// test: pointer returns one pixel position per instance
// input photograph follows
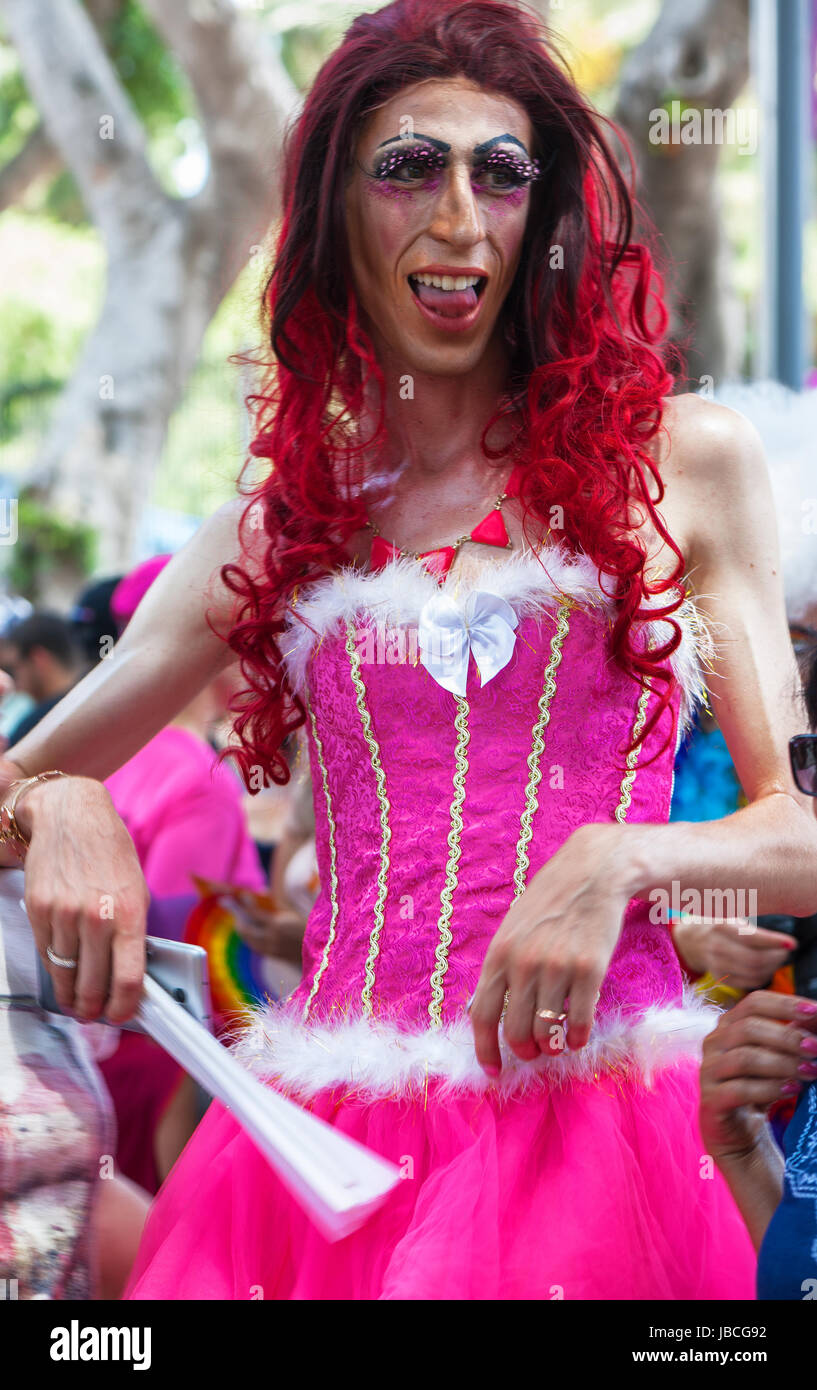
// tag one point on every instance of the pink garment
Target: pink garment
(592, 1194)
(132, 588)
(578, 1173)
(184, 813)
(142, 1079)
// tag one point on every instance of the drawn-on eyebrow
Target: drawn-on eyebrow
(416, 135)
(441, 144)
(498, 140)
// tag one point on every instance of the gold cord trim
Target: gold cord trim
(452, 867)
(385, 829)
(333, 861)
(538, 745)
(628, 780)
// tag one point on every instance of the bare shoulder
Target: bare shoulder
(233, 535)
(709, 443)
(712, 462)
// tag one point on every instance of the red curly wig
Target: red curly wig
(586, 375)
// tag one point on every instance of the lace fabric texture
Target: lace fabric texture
(399, 827)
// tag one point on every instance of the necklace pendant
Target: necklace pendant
(492, 530)
(382, 552)
(439, 562)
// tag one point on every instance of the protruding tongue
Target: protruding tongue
(451, 303)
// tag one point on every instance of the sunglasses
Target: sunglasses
(803, 757)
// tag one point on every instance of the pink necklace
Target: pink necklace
(490, 531)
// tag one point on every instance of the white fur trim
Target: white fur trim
(394, 596)
(377, 1058)
(693, 657)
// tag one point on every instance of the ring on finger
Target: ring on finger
(554, 1038)
(65, 962)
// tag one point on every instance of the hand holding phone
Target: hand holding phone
(180, 968)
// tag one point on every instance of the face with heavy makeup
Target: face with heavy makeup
(436, 206)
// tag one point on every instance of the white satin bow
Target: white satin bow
(448, 632)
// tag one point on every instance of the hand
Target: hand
(85, 895)
(278, 933)
(555, 942)
(736, 953)
(762, 1049)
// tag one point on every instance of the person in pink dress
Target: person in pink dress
(184, 811)
(490, 568)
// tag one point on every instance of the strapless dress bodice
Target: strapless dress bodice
(433, 809)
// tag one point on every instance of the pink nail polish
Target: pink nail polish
(789, 1088)
(490, 1069)
(809, 1045)
(808, 1069)
(807, 1008)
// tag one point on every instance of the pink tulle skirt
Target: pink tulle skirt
(599, 1190)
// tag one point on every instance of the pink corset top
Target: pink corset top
(433, 809)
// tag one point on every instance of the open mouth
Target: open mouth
(450, 296)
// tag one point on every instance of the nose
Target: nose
(457, 218)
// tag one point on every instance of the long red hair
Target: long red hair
(583, 328)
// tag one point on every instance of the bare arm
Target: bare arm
(756, 1182)
(771, 844)
(558, 937)
(165, 657)
(85, 893)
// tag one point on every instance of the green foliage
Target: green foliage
(151, 77)
(18, 114)
(62, 200)
(53, 285)
(156, 87)
(206, 439)
(45, 543)
(303, 51)
(28, 343)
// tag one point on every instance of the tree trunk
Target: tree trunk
(169, 261)
(697, 54)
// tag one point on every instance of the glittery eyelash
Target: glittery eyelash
(415, 154)
(523, 170)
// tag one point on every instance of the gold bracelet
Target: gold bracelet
(10, 832)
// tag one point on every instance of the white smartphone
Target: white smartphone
(179, 967)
